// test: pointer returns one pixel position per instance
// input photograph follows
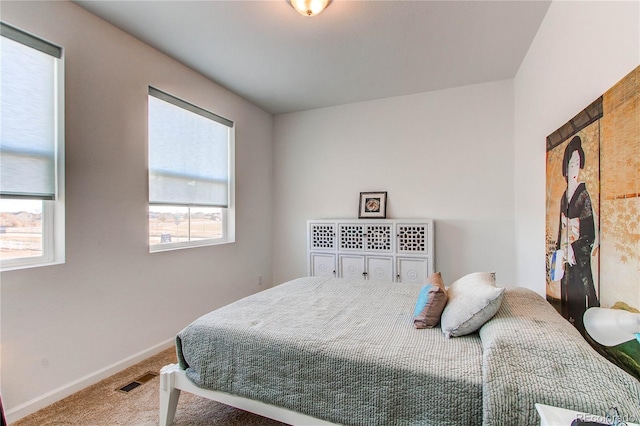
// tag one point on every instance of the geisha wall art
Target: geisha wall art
(593, 213)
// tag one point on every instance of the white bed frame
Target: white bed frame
(173, 380)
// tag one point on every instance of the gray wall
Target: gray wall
(112, 302)
(581, 50)
(445, 155)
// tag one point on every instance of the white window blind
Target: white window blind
(28, 126)
(188, 153)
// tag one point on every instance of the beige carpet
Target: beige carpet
(101, 404)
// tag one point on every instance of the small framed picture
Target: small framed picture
(373, 205)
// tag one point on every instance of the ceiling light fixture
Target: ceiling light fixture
(309, 7)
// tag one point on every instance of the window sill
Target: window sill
(180, 246)
(32, 263)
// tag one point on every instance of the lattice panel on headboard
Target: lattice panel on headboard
(379, 237)
(412, 238)
(351, 237)
(322, 236)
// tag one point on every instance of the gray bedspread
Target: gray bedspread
(347, 352)
(339, 350)
(533, 355)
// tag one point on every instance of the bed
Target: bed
(336, 351)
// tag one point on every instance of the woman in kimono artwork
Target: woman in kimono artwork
(576, 236)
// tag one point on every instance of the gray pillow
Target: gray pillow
(473, 300)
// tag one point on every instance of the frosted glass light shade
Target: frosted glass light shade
(309, 7)
(611, 327)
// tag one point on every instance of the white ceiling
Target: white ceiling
(354, 51)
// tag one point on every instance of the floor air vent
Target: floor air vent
(137, 382)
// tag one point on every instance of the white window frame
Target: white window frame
(53, 211)
(228, 214)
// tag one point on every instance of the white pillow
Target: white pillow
(473, 300)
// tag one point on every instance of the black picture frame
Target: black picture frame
(373, 205)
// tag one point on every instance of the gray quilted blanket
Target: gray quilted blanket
(532, 355)
(347, 352)
(342, 351)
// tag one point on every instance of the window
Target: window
(191, 153)
(31, 151)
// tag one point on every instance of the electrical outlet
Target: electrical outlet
(259, 280)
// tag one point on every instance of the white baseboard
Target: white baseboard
(22, 410)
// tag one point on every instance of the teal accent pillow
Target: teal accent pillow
(431, 302)
(423, 299)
